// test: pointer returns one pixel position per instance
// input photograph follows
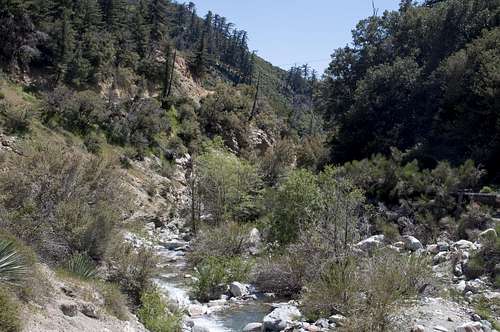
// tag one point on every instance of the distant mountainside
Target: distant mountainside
(82, 43)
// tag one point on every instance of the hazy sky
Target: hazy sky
(286, 32)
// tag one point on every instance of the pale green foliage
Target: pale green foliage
(82, 266)
(227, 186)
(226, 240)
(293, 204)
(132, 269)
(367, 290)
(154, 313)
(12, 264)
(218, 256)
(318, 219)
(115, 302)
(214, 273)
(60, 200)
(327, 201)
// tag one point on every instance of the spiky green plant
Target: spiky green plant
(82, 266)
(12, 264)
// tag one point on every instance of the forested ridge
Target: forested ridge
(157, 174)
(424, 79)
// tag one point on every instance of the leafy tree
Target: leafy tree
(293, 205)
(228, 187)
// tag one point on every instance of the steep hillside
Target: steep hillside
(156, 175)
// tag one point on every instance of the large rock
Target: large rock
(488, 236)
(253, 327)
(338, 320)
(440, 258)
(464, 245)
(418, 328)
(412, 243)
(238, 289)
(278, 319)
(69, 309)
(474, 286)
(254, 241)
(196, 310)
(470, 327)
(372, 243)
(90, 310)
(200, 328)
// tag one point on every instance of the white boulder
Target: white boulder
(279, 318)
(253, 327)
(412, 243)
(238, 289)
(370, 244)
(470, 327)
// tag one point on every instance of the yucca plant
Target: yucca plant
(12, 263)
(81, 265)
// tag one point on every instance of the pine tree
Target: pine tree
(140, 30)
(66, 44)
(167, 71)
(114, 14)
(200, 60)
(157, 21)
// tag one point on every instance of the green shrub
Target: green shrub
(335, 291)
(213, 275)
(9, 313)
(293, 205)
(15, 120)
(228, 186)
(385, 281)
(82, 266)
(224, 241)
(93, 142)
(132, 269)
(476, 217)
(282, 274)
(487, 190)
(2, 95)
(389, 230)
(59, 200)
(155, 315)
(12, 263)
(115, 302)
(277, 161)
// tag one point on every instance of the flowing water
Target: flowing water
(232, 319)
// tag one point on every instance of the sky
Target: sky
(288, 32)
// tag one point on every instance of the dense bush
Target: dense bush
(82, 266)
(226, 113)
(115, 302)
(312, 153)
(60, 200)
(219, 255)
(214, 273)
(293, 205)
(229, 187)
(15, 120)
(224, 241)
(132, 269)
(426, 195)
(367, 290)
(277, 161)
(155, 315)
(281, 274)
(304, 199)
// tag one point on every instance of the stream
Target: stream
(232, 317)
